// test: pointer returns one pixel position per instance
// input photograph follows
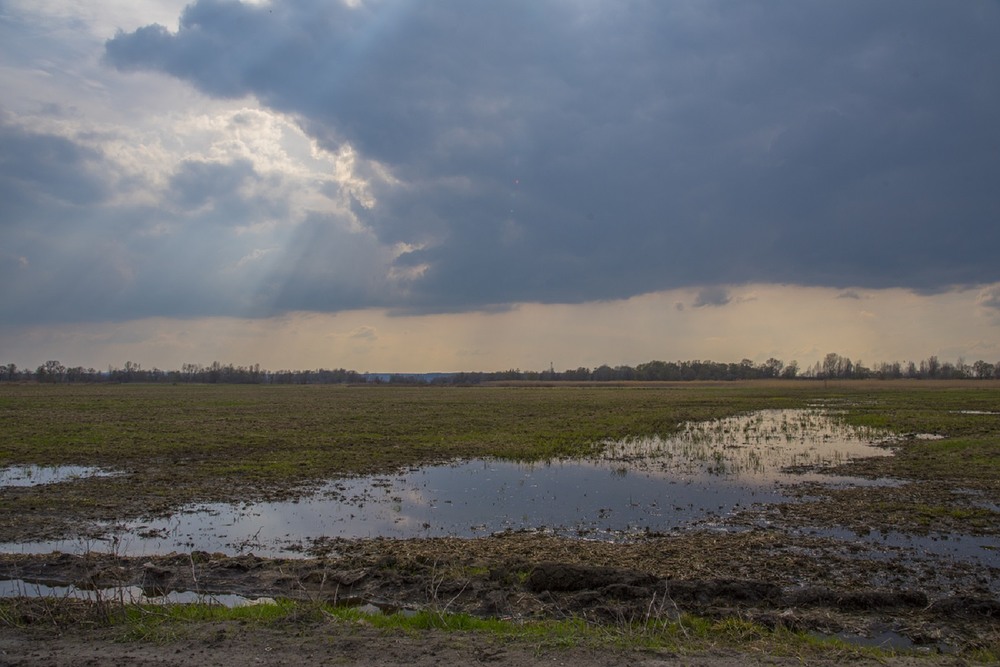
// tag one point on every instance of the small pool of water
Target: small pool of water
(979, 549)
(32, 475)
(636, 486)
(16, 588)
(760, 447)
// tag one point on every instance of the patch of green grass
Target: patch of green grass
(686, 634)
(922, 516)
(160, 623)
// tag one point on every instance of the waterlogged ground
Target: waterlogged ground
(866, 512)
(33, 475)
(707, 473)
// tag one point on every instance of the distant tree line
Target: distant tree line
(214, 373)
(832, 366)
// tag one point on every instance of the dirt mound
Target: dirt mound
(864, 600)
(570, 577)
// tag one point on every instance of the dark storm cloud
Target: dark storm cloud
(576, 151)
(36, 165)
(49, 186)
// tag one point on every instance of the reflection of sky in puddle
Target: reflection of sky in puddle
(466, 499)
(12, 588)
(32, 475)
(760, 446)
(708, 472)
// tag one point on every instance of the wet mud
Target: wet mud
(799, 583)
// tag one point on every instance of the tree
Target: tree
(831, 365)
(772, 368)
(604, 373)
(50, 371)
(983, 370)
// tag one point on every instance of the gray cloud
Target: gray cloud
(562, 152)
(990, 297)
(325, 267)
(71, 252)
(367, 334)
(712, 296)
(34, 165)
(195, 183)
(560, 155)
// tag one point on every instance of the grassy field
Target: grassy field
(226, 442)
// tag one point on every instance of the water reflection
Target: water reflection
(762, 446)
(706, 473)
(17, 588)
(33, 475)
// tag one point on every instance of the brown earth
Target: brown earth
(224, 645)
(762, 576)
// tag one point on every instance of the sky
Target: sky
(411, 186)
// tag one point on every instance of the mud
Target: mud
(330, 643)
(766, 577)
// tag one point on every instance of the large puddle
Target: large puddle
(636, 486)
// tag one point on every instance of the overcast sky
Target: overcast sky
(458, 185)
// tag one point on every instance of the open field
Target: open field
(777, 568)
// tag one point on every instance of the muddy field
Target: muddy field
(911, 567)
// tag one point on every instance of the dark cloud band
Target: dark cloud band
(566, 152)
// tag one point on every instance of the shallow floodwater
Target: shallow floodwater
(709, 471)
(32, 475)
(12, 588)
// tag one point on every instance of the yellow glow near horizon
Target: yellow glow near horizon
(758, 322)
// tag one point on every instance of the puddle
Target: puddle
(20, 588)
(887, 640)
(637, 486)
(763, 447)
(32, 475)
(977, 549)
(375, 607)
(13, 588)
